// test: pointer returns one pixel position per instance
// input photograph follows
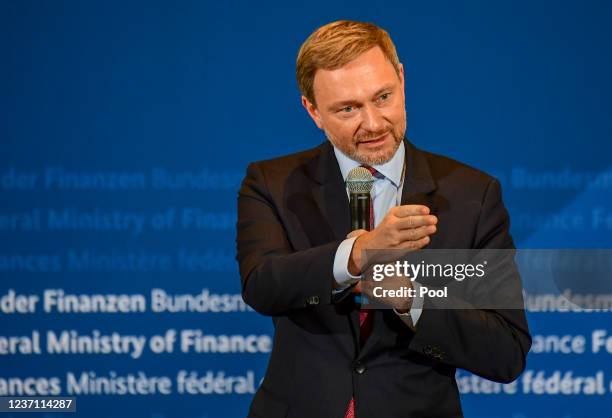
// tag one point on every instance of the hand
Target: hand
(401, 304)
(404, 227)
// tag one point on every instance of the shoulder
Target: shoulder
(450, 173)
(443, 167)
(455, 178)
(294, 171)
(285, 164)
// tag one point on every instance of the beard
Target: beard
(378, 157)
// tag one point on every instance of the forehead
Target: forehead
(357, 80)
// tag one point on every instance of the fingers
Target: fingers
(414, 245)
(411, 216)
(415, 234)
(404, 227)
(415, 221)
(408, 210)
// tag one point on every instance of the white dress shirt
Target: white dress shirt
(386, 193)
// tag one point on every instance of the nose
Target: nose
(373, 120)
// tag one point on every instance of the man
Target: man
(299, 264)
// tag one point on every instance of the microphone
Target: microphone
(359, 183)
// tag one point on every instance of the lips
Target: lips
(375, 141)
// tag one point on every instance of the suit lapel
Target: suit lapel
(329, 192)
(418, 181)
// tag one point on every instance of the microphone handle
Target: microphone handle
(360, 211)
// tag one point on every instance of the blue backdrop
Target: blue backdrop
(125, 131)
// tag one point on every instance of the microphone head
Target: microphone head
(359, 180)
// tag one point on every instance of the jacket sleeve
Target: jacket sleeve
(275, 278)
(491, 343)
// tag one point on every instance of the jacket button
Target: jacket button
(359, 367)
(312, 300)
(437, 353)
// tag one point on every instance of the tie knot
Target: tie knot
(372, 170)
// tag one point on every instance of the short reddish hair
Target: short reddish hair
(336, 44)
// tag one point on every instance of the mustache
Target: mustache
(373, 135)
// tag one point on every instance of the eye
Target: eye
(384, 97)
(347, 109)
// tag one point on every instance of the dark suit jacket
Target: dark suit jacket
(292, 215)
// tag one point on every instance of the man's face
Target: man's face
(361, 107)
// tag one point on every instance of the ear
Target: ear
(401, 77)
(312, 111)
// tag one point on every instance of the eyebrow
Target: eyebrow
(343, 103)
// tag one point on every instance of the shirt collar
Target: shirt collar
(392, 169)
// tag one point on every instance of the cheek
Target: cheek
(344, 129)
(396, 113)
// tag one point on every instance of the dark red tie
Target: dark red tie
(365, 317)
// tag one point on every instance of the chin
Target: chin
(376, 157)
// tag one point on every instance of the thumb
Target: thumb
(356, 233)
